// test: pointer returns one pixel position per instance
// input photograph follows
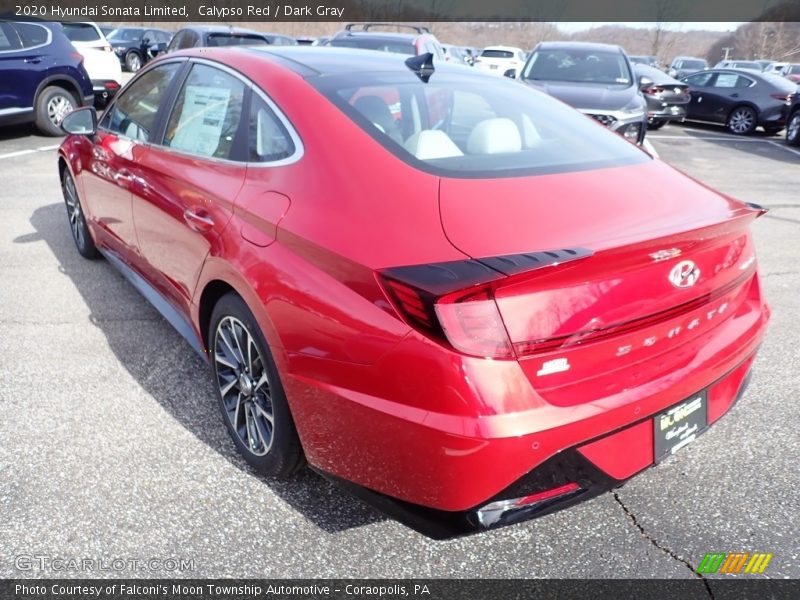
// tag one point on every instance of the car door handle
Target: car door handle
(124, 178)
(734, 95)
(34, 61)
(198, 219)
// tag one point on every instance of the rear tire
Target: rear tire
(77, 221)
(53, 104)
(251, 397)
(793, 129)
(743, 120)
(133, 62)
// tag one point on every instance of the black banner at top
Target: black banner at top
(655, 11)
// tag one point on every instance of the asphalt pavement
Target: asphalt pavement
(111, 446)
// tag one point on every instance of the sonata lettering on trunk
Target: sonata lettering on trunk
(673, 331)
(557, 365)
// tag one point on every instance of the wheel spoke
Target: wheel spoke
(261, 382)
(236, 412)
(227, 343)
(268, 416)
(224, 361)
(264, 435)
(228, 387)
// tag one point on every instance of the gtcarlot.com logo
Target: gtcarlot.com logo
(734, 562)
(43, 562)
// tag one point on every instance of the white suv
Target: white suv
(98, 58)
(499, 60)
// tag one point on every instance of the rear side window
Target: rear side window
(32, 35)
(134, 113)
(731, 80)
(206, 116)
(81, 32)
(268, 138)
(458, 126)
(497, 54)
(699, 80)
(226, 39)
(9, 40)
(398, 47)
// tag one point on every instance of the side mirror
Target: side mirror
(645, 81)
(512, 73)
(82, 121)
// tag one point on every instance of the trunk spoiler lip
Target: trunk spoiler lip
(439, 279)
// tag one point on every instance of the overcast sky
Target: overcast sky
(572, 27)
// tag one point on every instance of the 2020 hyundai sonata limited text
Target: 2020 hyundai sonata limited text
(450, 294)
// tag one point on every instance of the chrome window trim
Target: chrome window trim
(141, 73)
(299, 148)
(24, 48)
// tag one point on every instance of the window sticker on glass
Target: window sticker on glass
(202, 118)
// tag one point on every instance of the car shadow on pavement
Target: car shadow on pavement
(175, 376)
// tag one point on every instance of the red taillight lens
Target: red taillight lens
(787, 98)
(112, 86)
(653, 89)
(467, 320)
(472, 324)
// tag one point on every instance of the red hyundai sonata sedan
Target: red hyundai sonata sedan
(459, 297)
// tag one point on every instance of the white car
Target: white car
(98, 58)
(498, 60)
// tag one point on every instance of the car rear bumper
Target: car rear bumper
(581, 472)
(456, 462)
(105, 88)
(670, 113)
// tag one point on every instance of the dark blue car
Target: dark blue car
(42, 77)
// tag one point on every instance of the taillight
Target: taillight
(453, 302)
(107, 48)
(472, 324)
(653, 90)
(787, 98)
(76, 56)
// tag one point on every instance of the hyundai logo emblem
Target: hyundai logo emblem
(685, 274)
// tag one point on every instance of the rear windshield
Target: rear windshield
(397, 47)
(693, 64)
(578, 66)
(125, 35)
(747, 65)
(227, 39)
(81, 32)
(792, 69)
(497, 54)
(456, 125)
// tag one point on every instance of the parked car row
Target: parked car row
(628, 94)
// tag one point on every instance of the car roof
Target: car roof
(382, 35)
(581, 46)
(510, 48)
(309, 61)
(223, 29)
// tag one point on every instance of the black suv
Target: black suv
(597, 79)
(363, 35)
(42, 77)
(131, 44)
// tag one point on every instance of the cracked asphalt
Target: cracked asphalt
(111, 445)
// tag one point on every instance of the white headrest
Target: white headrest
(494, 136)
(431, 143)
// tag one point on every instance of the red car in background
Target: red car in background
(460, 302)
